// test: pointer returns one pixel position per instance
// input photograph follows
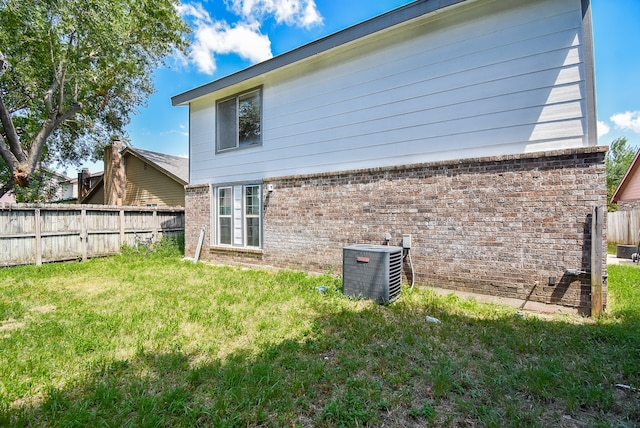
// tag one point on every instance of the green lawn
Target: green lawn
(153, 341)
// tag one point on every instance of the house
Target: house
(627, 194)
(468, 124)
(8, 198)
(69, 187)
(48, 185)
(69, 190)
(59, 189)
(137, 177)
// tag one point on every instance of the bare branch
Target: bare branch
(18, 108)
(10, 133)
(61, 91)
(63, 117)
(48, 95)
(58, 82)
(6, 154)
(50, 124)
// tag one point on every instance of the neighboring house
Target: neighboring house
(468, 124)
(58, 191)
(627, 195)
(52, 187)
(139, 178)
(8, 198)
(69, 188)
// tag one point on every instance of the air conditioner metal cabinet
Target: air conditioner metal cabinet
(372, 272)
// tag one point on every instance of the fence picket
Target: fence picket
(623, 227)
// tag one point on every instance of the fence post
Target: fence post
(121, 226)
(84, 235)
(596, 261)
(38, 233)
(156, 226)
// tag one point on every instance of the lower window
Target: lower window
(239, 215)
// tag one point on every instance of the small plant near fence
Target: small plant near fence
(165, 247)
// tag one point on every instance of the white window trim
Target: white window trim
(215, 221)
(245, 216)
(217, 215)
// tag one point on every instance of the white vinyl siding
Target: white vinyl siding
(482, 79)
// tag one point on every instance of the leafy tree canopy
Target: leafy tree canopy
(617, 162)
(73, 71)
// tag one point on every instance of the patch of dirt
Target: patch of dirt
(43, 309)
(11, 324)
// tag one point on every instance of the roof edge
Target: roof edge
(133, 152)
(92, 190)
(627, 176)
(342, 37)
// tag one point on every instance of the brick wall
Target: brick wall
(197, 216)
(500, 225)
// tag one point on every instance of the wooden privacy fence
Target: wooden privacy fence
(623, 227)
(35, 234)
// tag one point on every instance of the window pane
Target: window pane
(253, 232)
(252, 215)
(226, 124)
(225, 230)
(249, 129)
(225, 222)
(252, 202)
(224, 201)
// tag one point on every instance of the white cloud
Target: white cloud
(242, 38)
(194, 10)
(220, 39)
(311, 15)
(213, 38)
(302, 13)
(183, 131)
(603, 128)
(628, 120)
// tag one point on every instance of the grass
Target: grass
(150, 341)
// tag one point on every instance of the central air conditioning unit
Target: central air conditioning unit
(372, 272)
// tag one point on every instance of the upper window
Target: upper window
(239, 121)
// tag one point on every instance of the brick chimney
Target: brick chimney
(113, 174)
(84, 182)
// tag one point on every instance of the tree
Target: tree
(73, 71)
(43, 187)
(617, 162)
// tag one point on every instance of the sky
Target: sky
(230, 35)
